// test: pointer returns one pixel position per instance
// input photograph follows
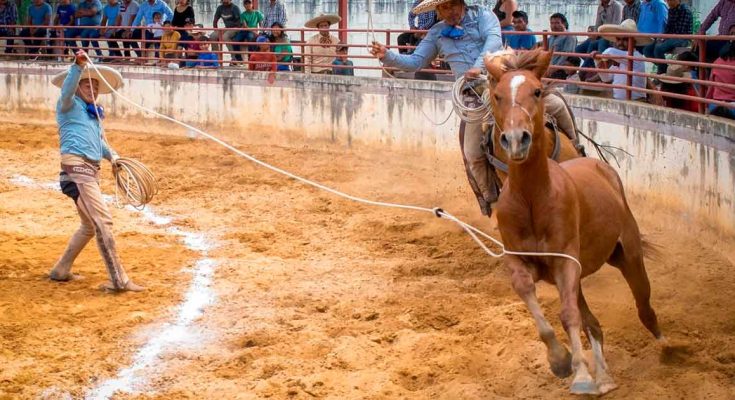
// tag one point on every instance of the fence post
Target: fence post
(629, 80)
(303, 51)
(702, 75)
(545, 39)
(343, 24)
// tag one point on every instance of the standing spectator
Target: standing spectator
(109, 19)
(145, 12)
(504, 10)
(64, 16)
(274, 11)
(608, 12)
(182, 12)
(620, 48)
(230, 15)
(560, 43)
(320, 48)
(8, 16)
(251, 18)
(89, 13)
(153, 36)
(169, 44)
(719, 75)
(631, 10)
(520, 42)
(724, 10)
(22, 7)
(126, 16)
(264, 60)
(205, 59)
(421, 21)
(282, 47)
(39, 13)
(341, 62)
(653, 16)
(679, 23)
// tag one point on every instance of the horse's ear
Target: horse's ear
(494, 67)
(543, 60)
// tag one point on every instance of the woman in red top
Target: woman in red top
(720, 75)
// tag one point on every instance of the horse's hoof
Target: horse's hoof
(606, 387)
(561, 365)
(584, 387)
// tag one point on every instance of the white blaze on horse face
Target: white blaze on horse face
(515, 83)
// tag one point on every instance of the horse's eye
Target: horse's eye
(537, 93)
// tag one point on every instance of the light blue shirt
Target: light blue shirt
(482, 35)
(93, 20)
(653, 16)
(79, 133)
(146, 10)
(111, 13)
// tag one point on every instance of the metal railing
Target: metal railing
(54, 45)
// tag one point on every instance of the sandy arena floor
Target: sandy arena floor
(318, 297)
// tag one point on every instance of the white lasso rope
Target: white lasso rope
(471, 230)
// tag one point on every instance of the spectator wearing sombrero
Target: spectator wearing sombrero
(612, 32)
(321, 48)
(83, 146)
(670, 84)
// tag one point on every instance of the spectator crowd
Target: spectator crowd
(151, 32)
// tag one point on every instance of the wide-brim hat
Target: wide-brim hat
(428, 5)
(676, 71)
(331, 18)
(97, 72)
(608, 31)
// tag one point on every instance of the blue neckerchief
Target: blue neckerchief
(98, 113)
(453, 32)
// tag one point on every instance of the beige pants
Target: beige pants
(476, 159)
(81, 183)
(555, 106)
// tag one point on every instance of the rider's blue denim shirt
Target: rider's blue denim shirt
(482, 35)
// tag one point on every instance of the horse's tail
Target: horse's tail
(651, 250)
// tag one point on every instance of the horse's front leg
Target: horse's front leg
(524, 284)
(567, 276)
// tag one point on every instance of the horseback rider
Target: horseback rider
(463, 36)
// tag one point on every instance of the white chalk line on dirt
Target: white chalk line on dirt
(197, 297)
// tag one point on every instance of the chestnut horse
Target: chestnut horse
(576, 207)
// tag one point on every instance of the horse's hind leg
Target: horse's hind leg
(559, 358)
(593, 330)
(628, 257)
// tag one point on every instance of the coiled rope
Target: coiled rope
(135, 181)
(472, 231)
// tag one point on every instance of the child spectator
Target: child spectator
(342, 61)
(281, 47)
(264, 60)
(169, 43)
(153, 34)
(251, 18)
(205, 59)
(719, 75)
(190, 41)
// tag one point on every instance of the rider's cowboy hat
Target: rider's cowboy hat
(607, 31)
(676, 71)
(331, 18)
(428, 5)
(97, 72)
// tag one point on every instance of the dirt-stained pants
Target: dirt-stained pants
(80, 181)
(475, 156)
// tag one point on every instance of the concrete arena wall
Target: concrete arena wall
(683, 160)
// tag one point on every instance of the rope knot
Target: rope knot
(438, 212)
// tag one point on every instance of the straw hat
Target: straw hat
(677, 71)
(331, 18)
(109, 74)
(627, 26)
(428, 5)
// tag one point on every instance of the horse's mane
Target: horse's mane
(527, 60)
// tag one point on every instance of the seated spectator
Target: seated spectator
(39, 13)
(169, 44)
(126, 16)
(560, 43)
(146, 9)
(416, 22)
(182, 12)
(230, 15)
(669, 85)
(620, 48)
(89, 13)
(190, 41)
(631, 9)
(724, 10)
(205, 59)
(342, 61)
(251, 18)
(8, 17)
(679, 23)
(263, 60)
(609, 12)
(320, 49)
(64, 16)
(109, 19)
(153, 36)
(520, 42)
(282, 47)
(564, 74)
(719, 75)
(652, 18)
